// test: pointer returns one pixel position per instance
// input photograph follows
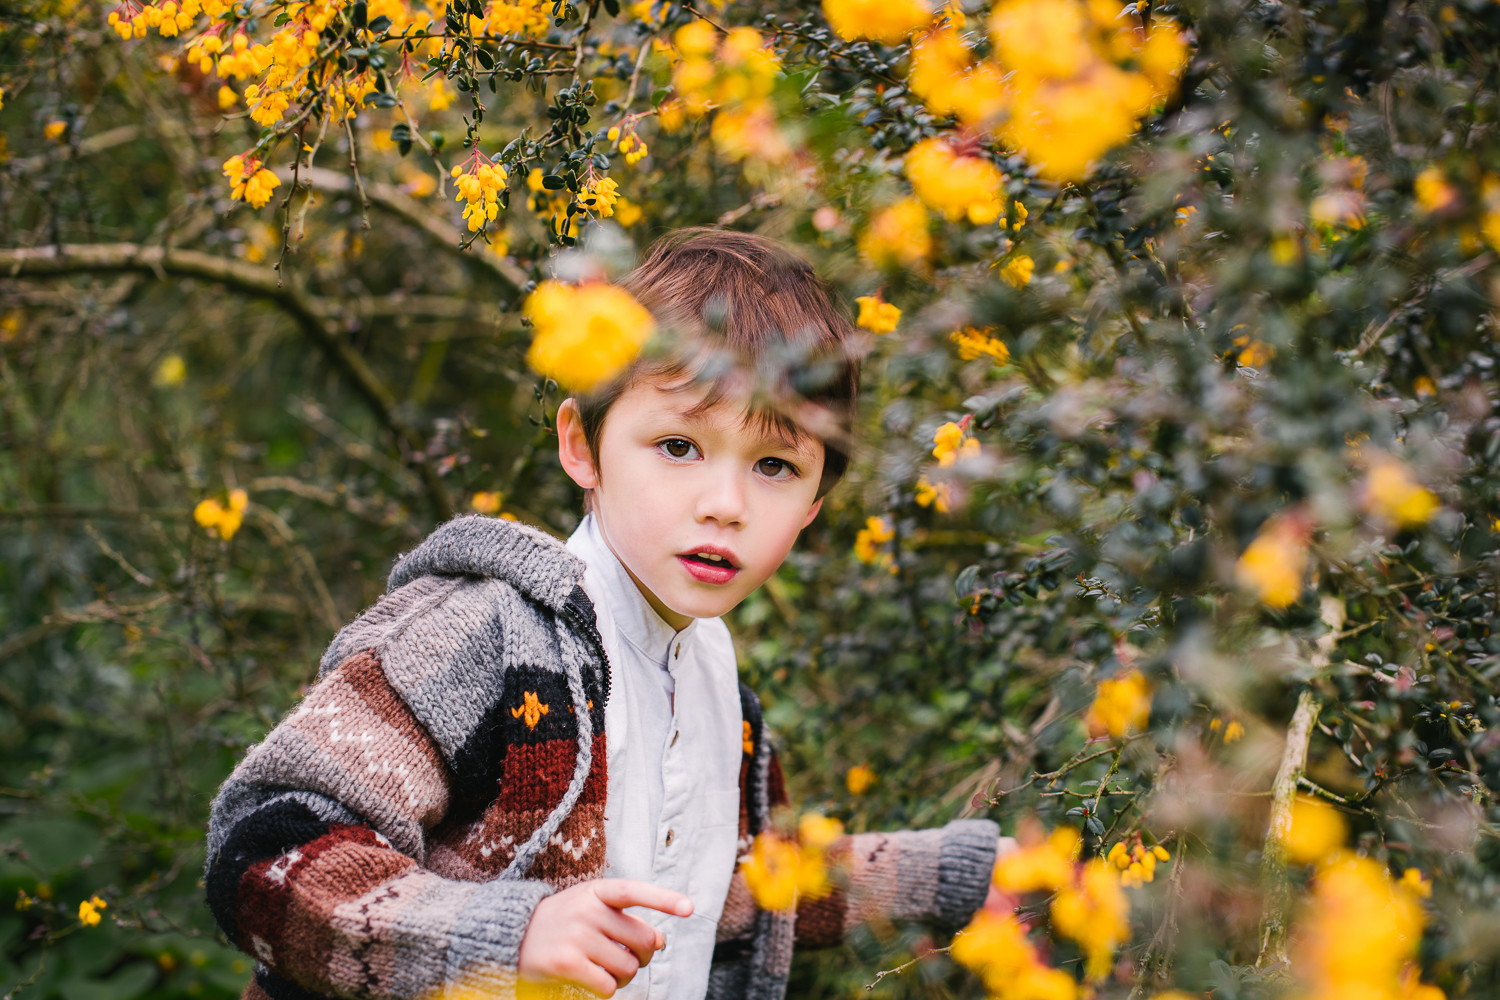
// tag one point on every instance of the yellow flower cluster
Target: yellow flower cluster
(950, 81)
(520, 17)
(954, 183)
(88, 911)
(780, 870)
(994, 947)
(1232, 732)
(54, 131)
(887, 21)
(736, 76)
(1360, 935)
(1137, 864)
(974, 344)
(222, 518)
(951, 444)
(480, 185)
(585, 335)
(1393, 496)
(938, 496)
(249, 181)
(868, 542)
(599, 196)
(1273, 565)
(897, 236)
(1043, 867)
(1316, 834)
(169, 18)
(876, 314)
(1122, 705)
(628, 143)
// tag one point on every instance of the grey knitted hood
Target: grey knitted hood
(532, 561)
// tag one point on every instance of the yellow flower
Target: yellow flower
(1256, 353)
(1423, 387)
(1122, 706)
(779, 871)
(486, 502)
(1233, 731)
(885, 21)
(818, 832)
(222, 519)
(627, 212)
(1317, 831)
(1095, 913)
(946, 76)
(480, 186)
(172, 370)
(1359, 934)
(897, 236)
(859, 779)
(1044, 867)
(1017, 271)
(227, 98)
(439, 97)
(1274, 564)
(877, 315)
(1434, 193)
(249, 181)
(1413, 882)
(876, 532)
(1392, 495)
(995, 947)
(88, 911)
(585, 335)
(939, 496)
(974, 344)
(950, 445)
(54, 130)
(955, 185)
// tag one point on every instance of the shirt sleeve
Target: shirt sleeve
(316, 850)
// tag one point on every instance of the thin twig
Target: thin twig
(902, 968)
(359, 182)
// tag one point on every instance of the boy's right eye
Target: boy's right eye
(678, 447)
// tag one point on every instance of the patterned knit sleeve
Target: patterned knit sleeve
(316, 851)
(939, 876)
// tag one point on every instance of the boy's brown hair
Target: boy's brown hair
(744, 304)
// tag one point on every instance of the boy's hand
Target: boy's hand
(579, 935)
(996, 900)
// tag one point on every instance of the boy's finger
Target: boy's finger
(618, 962)
(623, 892)
(640, 937)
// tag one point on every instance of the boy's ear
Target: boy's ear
(812, 511)
(573, 446)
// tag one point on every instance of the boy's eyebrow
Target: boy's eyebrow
(781, 432)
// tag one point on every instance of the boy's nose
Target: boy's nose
(723, 502)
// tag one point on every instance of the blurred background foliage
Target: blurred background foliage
(1212, 458)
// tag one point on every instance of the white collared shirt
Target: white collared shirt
(672, 813)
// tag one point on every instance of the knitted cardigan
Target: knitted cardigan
(392, 836)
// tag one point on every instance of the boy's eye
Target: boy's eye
(775, 468)
(678, 447)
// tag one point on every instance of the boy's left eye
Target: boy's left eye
(678, 448)
(775, 468)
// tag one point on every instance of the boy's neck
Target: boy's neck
(676, 621)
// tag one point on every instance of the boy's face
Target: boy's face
(700, 508)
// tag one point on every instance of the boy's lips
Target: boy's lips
(710, 564)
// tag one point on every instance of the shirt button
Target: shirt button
(670, 835)
(674, 738)
(679, 650)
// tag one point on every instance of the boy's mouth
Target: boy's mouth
(710, 565)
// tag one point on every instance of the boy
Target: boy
(523, 740)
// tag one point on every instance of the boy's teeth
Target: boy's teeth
(705, 555)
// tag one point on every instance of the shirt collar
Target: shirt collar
(634, 618)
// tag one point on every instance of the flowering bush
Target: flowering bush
(1169, 539)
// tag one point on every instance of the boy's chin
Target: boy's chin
(694, 603)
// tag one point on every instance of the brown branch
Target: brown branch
(309, 312)
(392, 199)
(1278, 889)
(97, 143)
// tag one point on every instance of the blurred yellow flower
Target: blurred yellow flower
(54, 130)
(1047, 866)
(486, 502)
(1275, 563)
(889, 22)
(1317, 831)
(1434, 193)
(1233, 731)
(1122, 706)
(227, 98)
(950, 444)
(222, 519)
(88, 911)
(627, 212)
(779, 870)
(876, 532)
(170, 371)
(1359, 935)
(1136, 864)
(945, 75)
(897, 236)
(859, 779)
(974, 344)
(1256, 353)
(994, 947)
(1413, 882)
(818, 832)
(1017, 271)
(1095, 913)
(585, 335)
(938, 496)
(953, 184)
(877, 315)
(1393, 496)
